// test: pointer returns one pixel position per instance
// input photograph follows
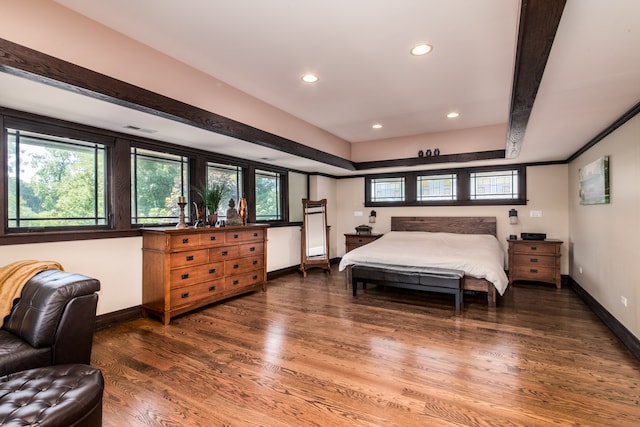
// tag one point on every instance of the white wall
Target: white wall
(547, 191)
(604, 238)
(117, 263)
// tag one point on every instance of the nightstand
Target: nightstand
(356, 240)
(535, 260)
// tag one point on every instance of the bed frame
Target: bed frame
(460, 225)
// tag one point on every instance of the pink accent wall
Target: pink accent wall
(49, 28)
(486, 138)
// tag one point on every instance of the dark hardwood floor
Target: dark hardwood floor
(308, 353)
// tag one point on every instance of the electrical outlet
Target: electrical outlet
(535, 214)
(623, 300)
(358, 213)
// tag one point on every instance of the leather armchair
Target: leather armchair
(52, 323)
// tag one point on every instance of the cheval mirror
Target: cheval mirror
(315, 236)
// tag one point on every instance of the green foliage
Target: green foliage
(267, 198)
(213, 194)
(58, 187)
(158, 186)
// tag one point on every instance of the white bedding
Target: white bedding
(478, 255)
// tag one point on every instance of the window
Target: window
(487, 185)
(387, 189)
(157, 180)
(231, 176)
(55, 181)
(436, 187)
(493, 185)
(268, 196)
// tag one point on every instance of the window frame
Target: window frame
(462, 187)
(57, 131)
(184, 163)
(119, 175)
(283, 196)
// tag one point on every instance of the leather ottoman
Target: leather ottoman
(59, 395)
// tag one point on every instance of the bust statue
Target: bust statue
(233, 218)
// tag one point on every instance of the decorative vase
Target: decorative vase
(212, 219)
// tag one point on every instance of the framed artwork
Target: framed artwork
(594, 182)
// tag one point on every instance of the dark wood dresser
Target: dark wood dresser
(184, 269)
(353, 240)
(535, 260)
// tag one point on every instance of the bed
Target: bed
(401, 258)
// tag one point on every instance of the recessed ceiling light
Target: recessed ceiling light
(377, 126)
(453, 115)
(421, 49)
(310, 78)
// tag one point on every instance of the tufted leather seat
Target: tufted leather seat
(52, 322)
(61, 395)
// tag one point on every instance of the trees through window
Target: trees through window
(158, 179)
(55, 181)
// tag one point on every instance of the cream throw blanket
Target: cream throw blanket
(14, 276)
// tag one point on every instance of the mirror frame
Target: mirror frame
(317, 261)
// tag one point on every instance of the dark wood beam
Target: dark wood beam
(417, 161)
(539, 20)
(28, 63)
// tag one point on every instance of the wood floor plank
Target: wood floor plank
(307, 352)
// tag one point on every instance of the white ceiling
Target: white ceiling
(360, 50)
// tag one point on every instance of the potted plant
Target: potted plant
(212, 196)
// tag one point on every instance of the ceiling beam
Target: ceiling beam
(539, 20)
(25, 62)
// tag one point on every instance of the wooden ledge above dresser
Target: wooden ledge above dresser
(185, 269)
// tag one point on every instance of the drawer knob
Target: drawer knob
(534, 270)
(235, 282)
(212, 288)
(185, 241)
(534, 248)
(212, 238)
(255, 276)
(235, 266)
(255, 261)
(190, 258)
(224, 253)
(235, 236)
(212, 270)
(185, 276)
(534, 260)
(184, 295)
(252, 249)
(255, 234)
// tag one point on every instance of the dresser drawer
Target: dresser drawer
(541, 274)
(224, 252)
(213, 238)
(244, 280)
(238, 236)
(184, 241)
(189, 258)
(353, 241)
(241, 265)
(535, 248)
(250, 249)
(534, 260)
(191, 294)
(189, 275)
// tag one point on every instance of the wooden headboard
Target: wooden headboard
(446, 224)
